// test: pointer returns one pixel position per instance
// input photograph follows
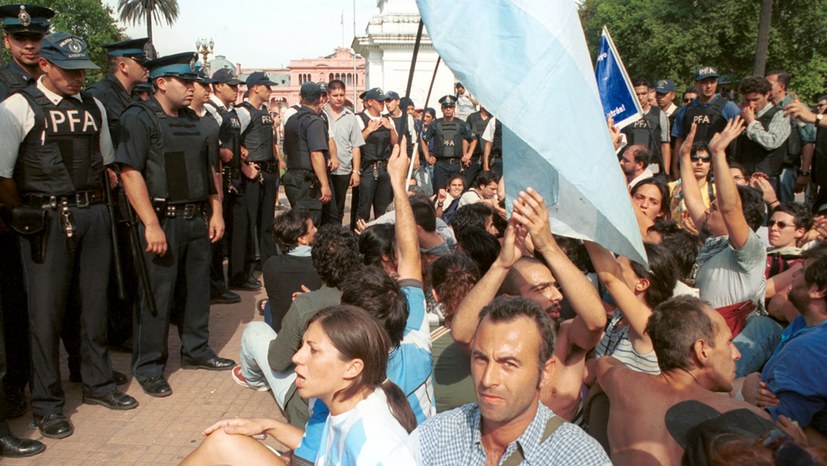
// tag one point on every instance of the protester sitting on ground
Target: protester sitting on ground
(730, 266)
(635, 290)
(288, 272)
(792, 382)
(511, 362)
(480, 246)
(530, 278)
(432, 245)
(447, 198)
(701, 169)
(684, 248)
(473, 215)
(342, 362)
(484, 189)
(452, 277)
(696, 357)
(787, 225)
(377, 246)
(266, 356)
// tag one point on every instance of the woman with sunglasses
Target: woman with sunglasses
(701, 169)
(342, 362)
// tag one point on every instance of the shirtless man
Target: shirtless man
(697, 359)
(516, 275)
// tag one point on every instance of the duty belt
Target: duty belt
(187, 210)
(450, 160)
(268, 167)
(80, 199)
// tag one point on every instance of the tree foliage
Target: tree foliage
(670, 38)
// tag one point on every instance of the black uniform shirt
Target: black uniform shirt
(12, 78)
(114, 97)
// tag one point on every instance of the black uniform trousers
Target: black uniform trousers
(4, 426)
(303, 192)
(188, 258)
(233, 244)
(16, 319)
(443, 169)
(374, 191)
(261, 209)
(81, 261)
(495, 164)
(471, 171)
(339, 184)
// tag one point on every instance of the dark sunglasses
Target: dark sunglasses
(686, 101)
(698, 158)
(781, 225)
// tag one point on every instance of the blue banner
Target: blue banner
(531, 69)
(616, 92)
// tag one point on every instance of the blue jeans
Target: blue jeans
(756, 342)
(255, 367)
(786, 193)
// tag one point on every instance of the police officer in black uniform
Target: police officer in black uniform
(23, 28)
(492, 153)
(306, 183)
(237, 232)
(57, 168)
(710, 111)
(169, 180)
(452, 140)
(262, 190)
(380, 136)
(477, 122)
(652, 129)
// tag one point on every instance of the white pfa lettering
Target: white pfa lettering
(73, 118)
(57, 119)
(700, 119)
(88, 122)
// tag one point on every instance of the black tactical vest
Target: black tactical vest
(12, 79)
(61, 153)
(646, 131)
(819, 170)
(448, 140)
(115, 99)
(258, 137)
(377, 145)
(794, 145)
(497, 143)
(708, 119)
(754, 157)
(401, 125)
(295, 140)
(230, 132)
(177, 168)
(477, 126)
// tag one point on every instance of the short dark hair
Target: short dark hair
(486, 177)
(376, 292)
(752, 203)
(509, 308)
(424, 214)
(513, 279)
(335, 254)
(430, 111)
(335, 84)
(641, 82)
(674, 327)
(479, 245)
(782, 76)
(452, 277)
(802, 215)
(691, 90)
(752, 84)
(816, 273)
(642, 154)
(376, 242)
(289, 227)
(454, 177)
(661, 274)
(684, 247)
(471, 216)
(740, 168)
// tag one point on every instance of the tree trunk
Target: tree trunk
(762, 47)
(150, 7)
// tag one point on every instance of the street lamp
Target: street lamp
(204, 48)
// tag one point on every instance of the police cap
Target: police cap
(664, 86)
(19, 17)
(225, 76)
(323, 87)
(310, 90)
(66, 51)
(448, 101)
(391, 95)
(374, 94)
(706, 72)
(258, 79)
(201, 77)
(143, 87)
(133, 49)
(179, 65)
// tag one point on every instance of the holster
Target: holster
(32, 224)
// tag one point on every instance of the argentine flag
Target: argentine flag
(527, 62)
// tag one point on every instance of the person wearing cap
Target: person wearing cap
(347, 137)
(261, 190)
(170, 181)
(665, 96)
(237, 233)
(466, 104)
(24, 26)
(380, 136)
(306, 183)
(710, 111)
(62, 184)
(142, 91)
(451, 139)
(652, 129)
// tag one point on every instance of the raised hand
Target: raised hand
(733, 129)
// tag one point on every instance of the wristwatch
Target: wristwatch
(819, 117)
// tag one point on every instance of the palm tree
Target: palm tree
(134, 11)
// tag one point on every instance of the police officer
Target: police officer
(260, 191)
(170, 182)
(54, 143)
(380, 136)
(237, 232)
(710, 111)
(492, 154)
(652, 130)
(23, 28)
(477, 122)
(306, 182)
(452, 140)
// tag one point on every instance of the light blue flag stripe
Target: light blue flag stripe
(527, 62)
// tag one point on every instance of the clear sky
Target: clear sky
(260, 33)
